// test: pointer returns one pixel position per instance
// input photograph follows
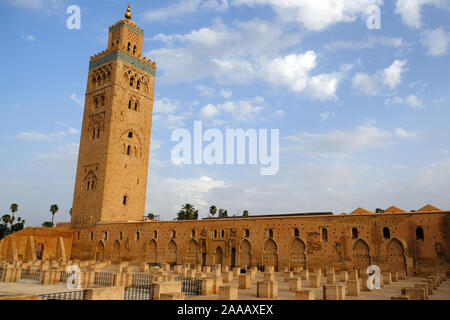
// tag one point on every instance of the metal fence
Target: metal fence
(103, 278)
(141, 279)
(143, 292)
(190, 287)
(68, 295)
(30, 274)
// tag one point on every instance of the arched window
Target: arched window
(92, 184)
(88, 184)
(215, 233)
(386, 233)
(128, 150)
(93, 134)
(155, 234)
(174, 234)
(105, 235)
(419, 234)
(247, 233)
(138, 84)
(134, 49)
(78, 235)
(129, 46)
(138, 235)
(270, 233)
(296, 232)
(324, 234)
(131, 81)
(135, 106)
(92, 235)
(354, 233)
(193, 233)
(103, 100)
(223, 234)
(124, 200)
(130, 134)
(98, 133)
(96, 103)
(120, 235)
(129, 104)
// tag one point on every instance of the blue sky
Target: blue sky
(363, 114)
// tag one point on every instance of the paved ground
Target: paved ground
(385, 293)
(442, 292)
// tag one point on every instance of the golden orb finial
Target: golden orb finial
(128, 13)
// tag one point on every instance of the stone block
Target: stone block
(104, 293)
(424, 286)
(295, 284)
(207, 286)
(314, 280)
(353, 288)
(353, 275)
(331, 277)
(165, 287)
(228, 292)
(227, 277)
(394, 276)
(244, 281)
(429, 283)
(330, 292)
(267, 289)
(304, 274)
(288, 275)
(305, 295)
(343, 276)
(387, 278)
(269, 276)
(172, 296)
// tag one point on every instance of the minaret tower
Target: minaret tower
(113, 158)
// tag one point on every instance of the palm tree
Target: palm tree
(14, 207)
(245, 214)
(187, 212)
(53, 209)
(212, 210)
(6, 219)
(48, 224)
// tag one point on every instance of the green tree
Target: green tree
(6, 218)
(245, 214)
(379, 210)
(187, 212)
(54, 209)
(150, 216)
(48, 224)
(212, 210)
(14, 208)
(223, 213)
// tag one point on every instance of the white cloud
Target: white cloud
(436, 41)
(243, 110)
(76, 99)
(390, 77)
(166, 106)
(278, 113)
(315, 15)
(205, 90)
(73, 131)
(370, 42)
(410, 10)
(32, 136)
(294, 72)
(28, 37)
(344, 142)
(327, 114)
(185, 7)
(226, 93)
(227, 53)
(411, 100)
(64, 158)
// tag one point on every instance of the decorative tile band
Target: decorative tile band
(111, 29)
(125, 58)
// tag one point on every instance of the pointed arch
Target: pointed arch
(395, 255)
(270, 254)
(298, 256)
(152, 252)
(171, 252)
(100, 252)
(115, 256)
(361, 255)
(245, 253)
(192, 252)
(219, 255)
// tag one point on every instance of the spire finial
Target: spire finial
(128, 13)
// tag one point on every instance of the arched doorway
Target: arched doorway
(151, 252)
(171, 253)
(233, 257)
(361, 257)
(100, 253)
(115, 257)
(245, 256)
(395, 256)
(192, 252)
(270, 255)
(39, 251)
(298, 256)
(219, 255)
